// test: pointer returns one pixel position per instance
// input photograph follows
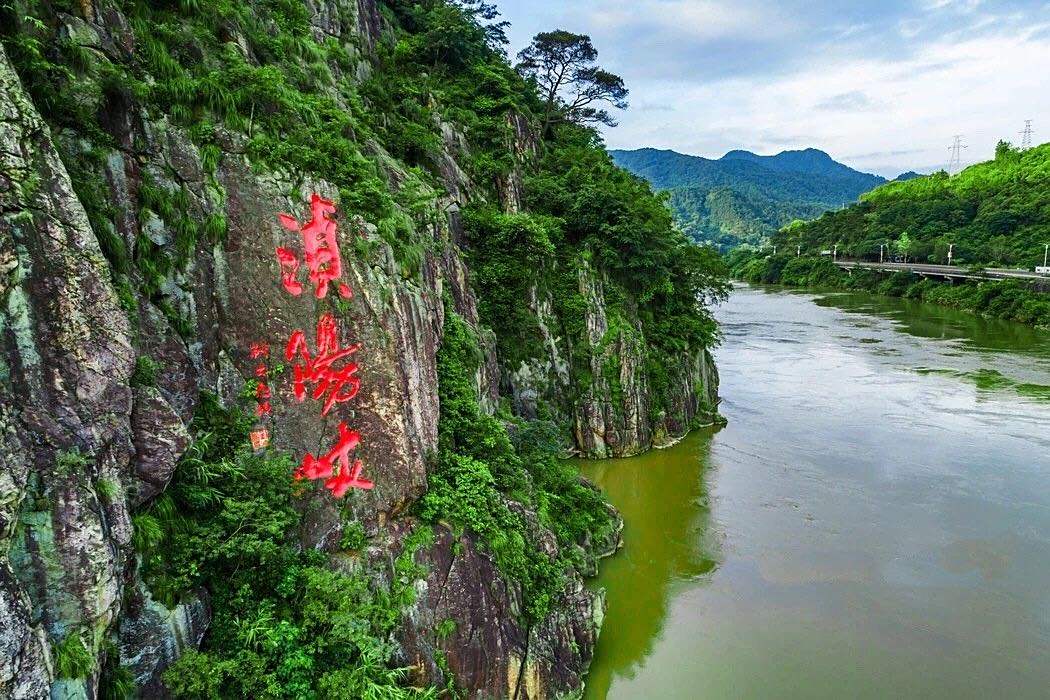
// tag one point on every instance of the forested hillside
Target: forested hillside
(993, 214)
(516, 295)
(743, 198)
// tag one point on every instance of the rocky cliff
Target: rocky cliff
(614, 415)
(137, 267)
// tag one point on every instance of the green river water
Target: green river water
(873, 522)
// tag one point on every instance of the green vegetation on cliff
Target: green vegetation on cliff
(432, 114)
(480, 471)
(589, 214)
(298, 103)
(284, 623)
(581, 212)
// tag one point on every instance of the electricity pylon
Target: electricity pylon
(1026, 135)
(955, 159)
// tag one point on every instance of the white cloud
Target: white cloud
(697, 20)
(852, 101)
(983, 88)
(910, 27)
(892, 80)
(958, 5)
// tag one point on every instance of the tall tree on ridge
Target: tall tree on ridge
(563, 66)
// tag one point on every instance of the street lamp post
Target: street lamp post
(798, 252)
(950, 247)
(882, 247)
(1046, 251)
(835, 254)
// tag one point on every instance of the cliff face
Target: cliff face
(67, 361)
(614, 417)
(613, 414)
(84, 442)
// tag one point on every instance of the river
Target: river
(873, 522)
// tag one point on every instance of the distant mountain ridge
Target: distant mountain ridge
(810, 160)
(742, 197)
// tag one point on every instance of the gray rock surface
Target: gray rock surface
(66, 406)
(159, 437)
(152, 637)
(469, 615)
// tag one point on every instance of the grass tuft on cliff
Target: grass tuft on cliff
(72, 659)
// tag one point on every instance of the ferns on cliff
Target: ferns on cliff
(508, 254)
(283, 623)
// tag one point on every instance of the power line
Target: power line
(1026, 135)
(955, 159)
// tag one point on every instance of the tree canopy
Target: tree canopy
(573, 87)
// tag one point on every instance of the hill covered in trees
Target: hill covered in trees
(993, 214)
(743, 198)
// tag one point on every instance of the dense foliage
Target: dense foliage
(284, 624)
(588, 215)
(582, 212)
(743, 198)
(995, 213)
(480, 470)
(1007, 299)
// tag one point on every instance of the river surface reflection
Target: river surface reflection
(874, 520)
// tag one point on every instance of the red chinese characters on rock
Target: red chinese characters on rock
(326, 373)
(320, 248)
(333, 384)
(322, 467)
(261, 351)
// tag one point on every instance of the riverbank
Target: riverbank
(1005, 299)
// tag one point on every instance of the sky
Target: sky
(881, 85)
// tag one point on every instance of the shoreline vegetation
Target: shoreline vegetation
(992, 214)
(1010, 300)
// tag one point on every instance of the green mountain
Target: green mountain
(743, 198)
